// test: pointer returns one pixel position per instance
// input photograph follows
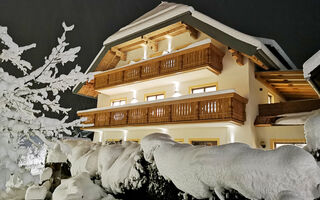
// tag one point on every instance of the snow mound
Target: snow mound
(35, 192)
(118, 167)
(78, 187)
(312, 132)
(254, 173)
(46, 174)
(55, 155)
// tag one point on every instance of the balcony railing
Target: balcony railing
(211, 107)
(205, 55)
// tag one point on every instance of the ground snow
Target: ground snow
(46, 174)
(255, 173)
(311, 131)
(55, 155)
(78, 187)
(118, 167)
(116, 164)
(36, 192)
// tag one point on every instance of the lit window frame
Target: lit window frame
(270, 98)
(118, 100)
(203, 86)
(274, 142)
(147, 96)
(205, 140)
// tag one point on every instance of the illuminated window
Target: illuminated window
(204, 89)
(276, 143)
(155, 97)
(279, 144)
(118, 102)
(270, 98)
(205, 141)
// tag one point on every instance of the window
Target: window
(270, 98)
(205, 141)
(208, 88)
(279, 144)
(119, 102)
(276, 143)
(154, 97)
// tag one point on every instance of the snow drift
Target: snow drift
(276, 174)
(78, 187)
(116, 164)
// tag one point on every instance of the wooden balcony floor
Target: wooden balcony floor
(221, 106)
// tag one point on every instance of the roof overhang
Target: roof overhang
(246, 44)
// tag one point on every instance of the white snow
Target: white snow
(312, 131)
(46, 174)
(312, 63)
(36, 192)
(256, 174)
(293, 118)
(55, 155)
(116, 164)
(78, 187)
(161, 13)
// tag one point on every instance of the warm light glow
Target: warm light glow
(125, 134)
(164, 130)
(134, 96)
(169, 43)
(145, 51)
(231, 131)
(176, 89)
(100, 136)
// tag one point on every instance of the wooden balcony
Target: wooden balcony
(205, 55)
(211, 107)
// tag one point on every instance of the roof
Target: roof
(168, 13)
(312, 63)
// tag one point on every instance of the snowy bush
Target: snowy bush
(312, 134)
(22, 122)
(256, 174)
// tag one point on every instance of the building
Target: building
(176, 70)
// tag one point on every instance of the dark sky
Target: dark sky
(294, 24)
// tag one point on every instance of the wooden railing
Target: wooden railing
(205, 55)
(212, 108)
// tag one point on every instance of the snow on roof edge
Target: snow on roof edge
(166, 14)
(310, 64)
(237, 34)
(275, 44)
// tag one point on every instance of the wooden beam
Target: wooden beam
(120, 54)
(282, 77)
(256, 61)
(270, 87)
(288, 107)
(237, 56)
(193, 32)
(150, 43)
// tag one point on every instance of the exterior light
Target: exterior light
(169, 43)
(134, 96)
(145, 51)
(176, 89)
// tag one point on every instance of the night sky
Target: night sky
(294, 24)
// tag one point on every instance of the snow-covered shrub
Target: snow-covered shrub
(312, 134)
(254, 173)
(78, 187)
(25, 101)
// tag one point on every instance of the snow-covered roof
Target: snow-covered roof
(312, 63)
(161, 13)
(168, 13)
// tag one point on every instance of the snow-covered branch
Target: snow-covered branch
(25, 101)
